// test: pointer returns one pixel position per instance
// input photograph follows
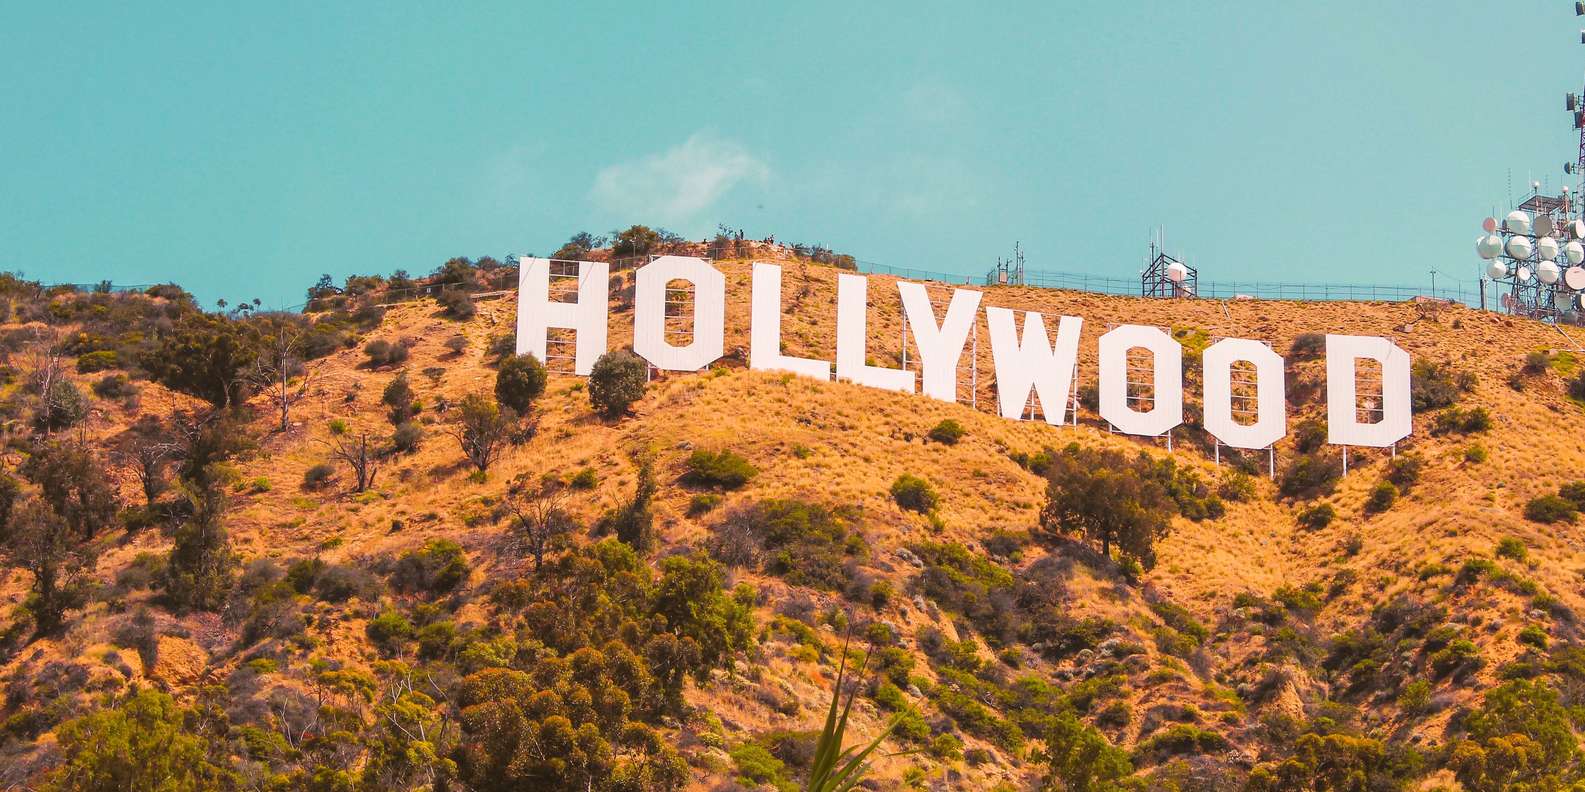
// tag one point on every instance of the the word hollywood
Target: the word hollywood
(1025, 360)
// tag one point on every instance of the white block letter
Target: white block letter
(1343, 426)
(649, 313)
(1167, 382)
(1271, 417)
(852, 307)
(587, 316)
(1031, 362)
(940, 347)
(764, 352)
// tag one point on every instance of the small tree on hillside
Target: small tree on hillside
(148, 459)
(200, 569)
(205, 441)
(207, 356)
(398, 396)
(482, 429)
(616, 381)
(279, 371)
(44, 543)
(634, 522)
(520, 380)
(1108, 499)
(359, 455)
(72, 481)
(539, 515)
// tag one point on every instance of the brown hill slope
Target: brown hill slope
(1392, 603)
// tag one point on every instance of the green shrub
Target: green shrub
(338, 426)
(382, 353)
(1533, 635)
(406, 437)
(1181, 739)
(1382, 497)
(723, 469)
(1512, 547)
(457, 304)
(948, 432)
(115, 386)
(140, 743)
(806, 543)
(1459, 655)
(519, 381)
(1455, 420)
(1434, 385)
(398, 396)
(318, 475)
(97, 361)
(1550, 509)
(1307, 346)
(703, 503)
(62, 406)
(1317, 517)
(617, 380)
(1080, 757)
(1416, 697)
(436, 568)
(1237, 486)
(1309, 436)
(1520, 732)
(1404, 471)
(965, 582)
(1309, 476)
(756, 766)
(1475, 454)
(914, 494)
(584, 479)
(389, 629)
(1573, 492)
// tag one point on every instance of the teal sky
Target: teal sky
(241, 151)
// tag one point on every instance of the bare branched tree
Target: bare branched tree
(280, 371)
(539, 514)
(359, 455)
(147, 454)
(148, 464)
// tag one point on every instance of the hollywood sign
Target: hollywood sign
(1026, 360)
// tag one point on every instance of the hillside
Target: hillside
(351, 649)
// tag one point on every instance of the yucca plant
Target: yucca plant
(836, 769)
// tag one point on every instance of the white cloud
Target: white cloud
(676, 186)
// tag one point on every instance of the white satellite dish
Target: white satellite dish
(1548, 272)
(1517, 222)
(1489, 246)
(1523, 273)
(1547, 247)
(1562, 300)
(1519, 247)
(1574, 278)
(1489, 225)
(1579, 228)
(1574, 252)
(1177, 273)
(1496, 270)
(1543, 225)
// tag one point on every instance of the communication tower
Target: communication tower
(1168, 277)
(1535, 254)
(1011, 271)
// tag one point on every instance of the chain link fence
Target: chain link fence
(1216, 290)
